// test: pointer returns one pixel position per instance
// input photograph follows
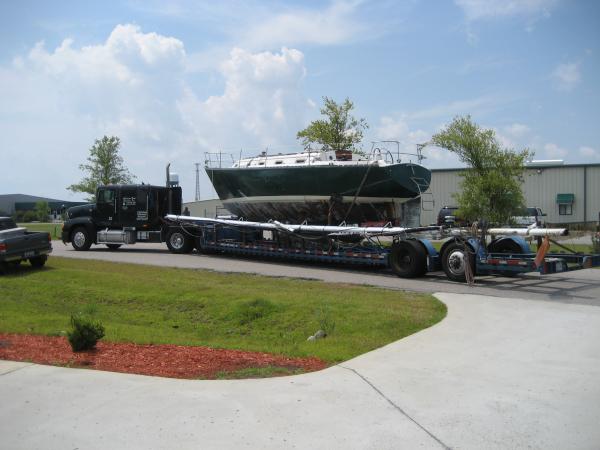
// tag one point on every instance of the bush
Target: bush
(85, 333)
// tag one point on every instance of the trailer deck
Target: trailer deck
(410, 253)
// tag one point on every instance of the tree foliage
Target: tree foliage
(491, 188)
(104, 166)
(42, 210)
(339, 130)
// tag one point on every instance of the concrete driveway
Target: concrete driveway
(497, 373)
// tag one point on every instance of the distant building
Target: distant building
(567, 193)
(11, 203)
(206, 208)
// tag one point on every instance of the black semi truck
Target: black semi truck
(126, 214)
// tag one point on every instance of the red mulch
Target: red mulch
(165, 360)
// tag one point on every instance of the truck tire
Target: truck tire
(178, 241)
(80, 239)
(408, 259)
(113, 246)
(38, 261)
(453, 261)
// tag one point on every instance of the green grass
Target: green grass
(54, 229)
(145, 304)
(257, 372)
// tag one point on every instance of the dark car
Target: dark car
(447, 216)
(17, 244)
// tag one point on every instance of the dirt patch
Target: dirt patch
(173, 361)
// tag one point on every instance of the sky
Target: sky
(176, 79)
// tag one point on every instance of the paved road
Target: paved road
(497, 373)
(580, 287)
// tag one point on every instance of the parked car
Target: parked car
(447, 216)
(17, 244)
(531, 215)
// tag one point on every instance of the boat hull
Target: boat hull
(322, 194)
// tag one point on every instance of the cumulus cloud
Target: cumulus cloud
(566, 76)
(491, 9)
(263, 100)
(136, 85)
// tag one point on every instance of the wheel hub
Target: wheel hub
(79, 239)
(456, 262)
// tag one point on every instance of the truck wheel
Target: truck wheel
(113, 246)
(38, 261)
(179, 241)
(80, 239)
(453, 262)
(408, 259)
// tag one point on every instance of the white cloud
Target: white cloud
(491, 9)
(262, 99)
(589, 152)
(398, 129)
(567, 76)
(554, 151)
(474, 106)
(334, 25)
(517, 130)
(135, 85)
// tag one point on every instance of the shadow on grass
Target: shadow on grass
(24, 270)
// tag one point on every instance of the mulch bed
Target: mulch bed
(173, 361)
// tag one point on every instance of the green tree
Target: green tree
(338, 131)
(104, 166)
(42, 210)
(491, 188)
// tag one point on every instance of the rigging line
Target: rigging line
(358, 191)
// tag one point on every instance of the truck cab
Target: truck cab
(122, 214)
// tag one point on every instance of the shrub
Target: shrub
(85, 333)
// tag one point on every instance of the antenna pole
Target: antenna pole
(197, 181)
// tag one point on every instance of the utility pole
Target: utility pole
(197, 181)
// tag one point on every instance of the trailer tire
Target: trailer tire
(453, 261)
(408, 259)
(38, 261)
(506, 246)
(80, 239)
(178, 241)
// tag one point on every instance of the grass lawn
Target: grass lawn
(54, 229)
(146, 304)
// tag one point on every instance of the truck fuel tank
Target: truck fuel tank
(124, 236)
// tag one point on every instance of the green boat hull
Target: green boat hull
(321, 194)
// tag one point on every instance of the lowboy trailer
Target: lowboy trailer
(464, 254)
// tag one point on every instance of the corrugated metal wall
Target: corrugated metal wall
(541, 185)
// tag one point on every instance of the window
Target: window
(106, 196)
(278, 162)
(565, 204)
(565, 209)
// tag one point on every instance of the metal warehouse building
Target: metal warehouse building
(567, 193)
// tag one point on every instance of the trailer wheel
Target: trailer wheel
(178, 241)
(38, 261)
(113, 246)
(506, 246)
(408, 259)
(80, 239)
(453, 261)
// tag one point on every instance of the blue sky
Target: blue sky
(176, 79)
